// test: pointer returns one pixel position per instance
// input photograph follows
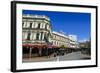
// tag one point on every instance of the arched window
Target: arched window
(37, 36)
(31, 25)
(38, 25)
(23, 24)
(41, 35)
(46, 26)
(28, 36)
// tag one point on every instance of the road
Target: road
(70, 56)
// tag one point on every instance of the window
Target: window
(23, 24)
(31, 36)
(31, 25)
(41, 26)
(37, 36)
(54, 36)
(58, 43)
(46, 38)
(28, 36)
(41, 35)
(45, 26)
(55, 42)
(38, 25)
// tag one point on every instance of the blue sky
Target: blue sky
(69, 22)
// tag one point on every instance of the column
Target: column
(43, 36)
(30, 52)
(39, 36)
(40, 51)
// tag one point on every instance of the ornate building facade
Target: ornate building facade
(36, 29)
(60, 39)
(38, 36)
(36, 33)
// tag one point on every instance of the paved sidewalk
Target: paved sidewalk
(70, 56)
(74, 56)
(40, 59)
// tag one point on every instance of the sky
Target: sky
(71, 23)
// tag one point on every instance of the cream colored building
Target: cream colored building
(59, 39)
(36, 29)
(68, 41)
(73, 43)
(38, 36)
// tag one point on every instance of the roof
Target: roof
(36, 16)
(60, 34)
